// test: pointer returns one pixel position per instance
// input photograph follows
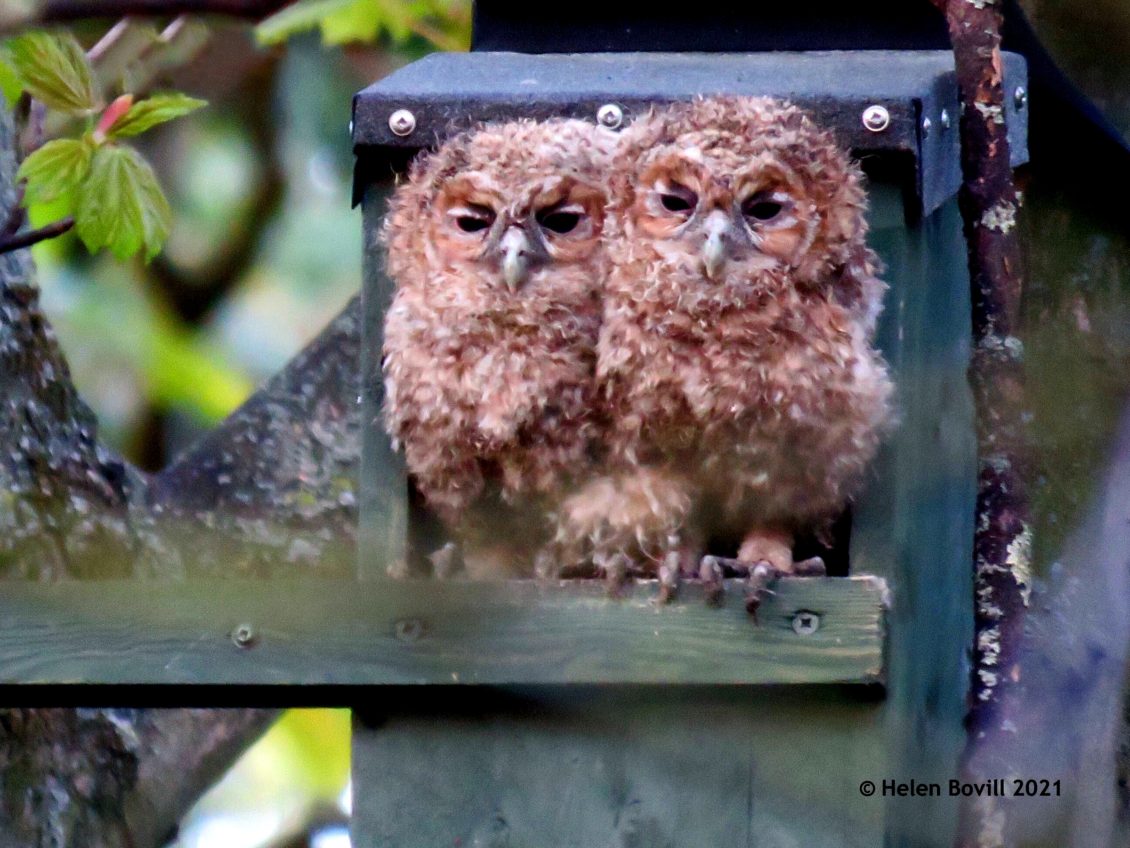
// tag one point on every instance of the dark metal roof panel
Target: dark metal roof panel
(449, 91)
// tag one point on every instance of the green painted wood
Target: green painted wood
(435, 775)
(383, 504)
(915, 525)
(399, 632)
(650, 768)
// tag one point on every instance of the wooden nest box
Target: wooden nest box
(552, 715)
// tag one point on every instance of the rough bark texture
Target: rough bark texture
(111, 778)
(1002, 540)
(273, 487)
(65, 499)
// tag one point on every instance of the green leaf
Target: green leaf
(55, 169)
(121, 206)
(53, 68)
(361, 20)
(10, 85)
(441, 22)
(304, 15)
(153, 111)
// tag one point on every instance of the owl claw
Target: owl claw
(614, 567)
(811, 567)
(761, 576)
(669, 577)
(710, 573)
(446, 561)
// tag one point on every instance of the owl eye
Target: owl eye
(560, 220)
(763, 207)
(472, 219)
(678, 199)
(470, 224)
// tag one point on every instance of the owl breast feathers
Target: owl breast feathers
(735, 361)
(494, 244)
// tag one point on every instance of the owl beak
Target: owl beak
(516, 249)
(714, 250)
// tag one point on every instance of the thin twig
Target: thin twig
(70, 10)
(67, 11)
(30, 237)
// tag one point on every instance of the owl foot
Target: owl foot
(760, 577)
(811, 567)
(772, 546)
(446, 561)
(764, 574)
(679, 561)
(711, 575)
(615, 570)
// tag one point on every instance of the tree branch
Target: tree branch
(61, 11)
(30, 237)
(106, 778)
(1002, 539)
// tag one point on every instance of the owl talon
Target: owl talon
(614, 567)
(547, 565)
(447, 561)
(669, 577)
(710, 573)
(761, 576)
(811, 567)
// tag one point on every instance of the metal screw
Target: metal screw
(806, 622)
(409, 629)
(944, 119)
(610, 115)
(244, 636)
(876, 118)
(402, 122)
(926, 126)
(1020, 97)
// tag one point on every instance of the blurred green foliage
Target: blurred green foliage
(444, 23)
(130, 353)
(297, 771)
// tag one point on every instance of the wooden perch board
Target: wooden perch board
(414, 632)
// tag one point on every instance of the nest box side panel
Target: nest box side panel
(383, 532)
(914, 526)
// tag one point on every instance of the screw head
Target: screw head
(402, 122)
(610, 115)
(409, 629)
(927, 125)
(876, 118)
(1020, 97)
(244, 636)
(944, 119)
(805, 622)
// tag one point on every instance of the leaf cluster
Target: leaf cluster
(441, 23)
(107, 186)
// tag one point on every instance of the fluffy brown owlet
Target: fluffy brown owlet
(736, 364)
(494, 244)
